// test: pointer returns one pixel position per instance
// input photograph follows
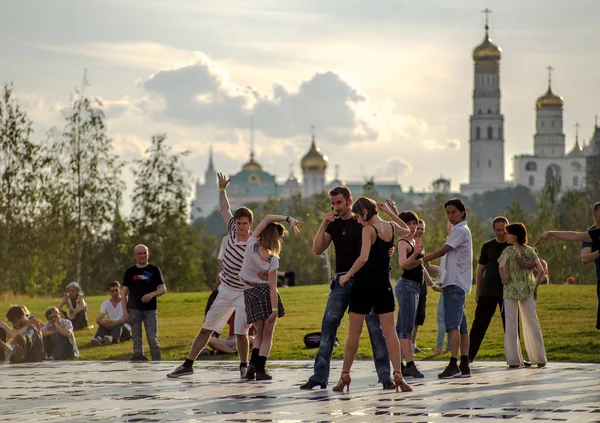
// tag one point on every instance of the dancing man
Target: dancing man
(230, 297)
(341, 227)
(458, 276)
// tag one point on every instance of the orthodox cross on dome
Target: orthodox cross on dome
(337, 172)
(550, 69)
(577, 125)
(487, 12)
(596, 120)
(312, 131)
(291, 170)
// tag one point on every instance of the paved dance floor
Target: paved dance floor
(84, 391)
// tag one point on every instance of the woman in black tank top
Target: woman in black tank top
(371, 288)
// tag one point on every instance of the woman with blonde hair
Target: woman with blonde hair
(520, 293)
(371, 288)
(263, 302)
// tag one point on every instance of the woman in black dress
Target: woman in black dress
(371, 285)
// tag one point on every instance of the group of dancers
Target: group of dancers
(364, 244)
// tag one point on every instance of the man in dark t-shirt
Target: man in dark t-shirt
(142, 283)
(489, 286)
(342, 228)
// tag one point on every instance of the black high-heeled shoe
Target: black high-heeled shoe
(344, 382)
(311, 384)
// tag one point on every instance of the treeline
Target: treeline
(60, 204)
(60, 214)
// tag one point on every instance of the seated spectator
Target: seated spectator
(113, 329)
(59, 340)
(26, 336)
(75, 300)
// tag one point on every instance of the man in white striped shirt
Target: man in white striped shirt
(231, 291)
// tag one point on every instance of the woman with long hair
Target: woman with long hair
(520, 294)
(371, 287)
(263, 303)
(74, 298)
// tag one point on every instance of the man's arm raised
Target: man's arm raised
(570, 236)
(323, 239)
(223, 200)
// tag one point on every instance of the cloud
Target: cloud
(201, 93)
(394, 167)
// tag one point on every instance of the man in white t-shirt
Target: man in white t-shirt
(457, 281)
(113, 329)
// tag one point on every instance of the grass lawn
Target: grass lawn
(567, 316)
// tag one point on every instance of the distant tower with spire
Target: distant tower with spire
(486, 137)
(206, 198)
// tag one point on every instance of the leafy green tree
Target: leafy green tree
(159, 217)
(87, 178)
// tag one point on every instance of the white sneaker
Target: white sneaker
(96, 341)
(107, 340)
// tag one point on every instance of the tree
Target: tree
(18, 190)
(86, 177)
(159, 216)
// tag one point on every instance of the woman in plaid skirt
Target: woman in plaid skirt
(263, 303)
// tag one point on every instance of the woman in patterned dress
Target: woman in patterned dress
(520, 294)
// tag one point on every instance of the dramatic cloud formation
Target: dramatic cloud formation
(201, 93)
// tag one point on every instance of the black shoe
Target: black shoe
(412, 371)
(263, 375)
(514, 366)
(526, 364)
(389, 385)
(251, 371)
(465, 370)
(181, 371)
(311, 384)
(243, 372)
(449, 372)
(139, 357)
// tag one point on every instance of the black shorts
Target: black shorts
(422, 306)
(366, 295)
(595, 235)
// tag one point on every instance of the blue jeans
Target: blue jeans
(454, 309)
(151, 326)
(441, 326)
(407, 294)
(337, 304)
(59, 347)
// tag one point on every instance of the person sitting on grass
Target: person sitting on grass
(25, 333)
(59, 340)
(113, 329)
(75, 300)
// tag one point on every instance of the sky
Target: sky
(387, 84)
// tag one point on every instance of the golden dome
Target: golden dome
(314, 161)
(252, 165)
(487, 51)
(549, 100)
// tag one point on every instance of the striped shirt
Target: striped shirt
(233, 258)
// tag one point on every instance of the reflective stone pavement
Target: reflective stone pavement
(83, 391)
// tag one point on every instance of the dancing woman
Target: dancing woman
(372, 288)
(263, 303)
(520, 293)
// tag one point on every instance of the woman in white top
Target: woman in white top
(262, 301)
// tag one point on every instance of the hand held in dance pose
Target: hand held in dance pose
(294, 225)
(543, 237)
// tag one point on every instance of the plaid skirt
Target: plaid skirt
(258, 302)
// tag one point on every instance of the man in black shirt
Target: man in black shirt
(489, 292)
(342, 227)
(142, 283)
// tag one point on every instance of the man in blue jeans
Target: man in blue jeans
(342, 227)
(142, 283)
(457, 282)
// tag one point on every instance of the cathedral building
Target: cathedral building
(550, 162)
(486, 135)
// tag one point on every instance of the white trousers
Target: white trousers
(534, 343)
